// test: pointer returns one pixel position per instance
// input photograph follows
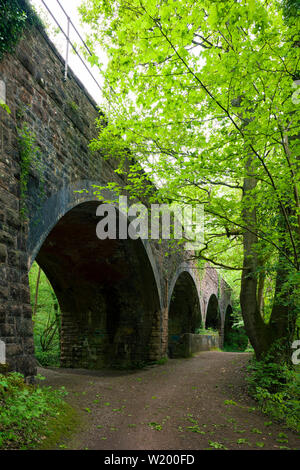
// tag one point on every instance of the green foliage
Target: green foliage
(256, 431)
(206, 331)
(155, 426)
(30, 159)
(74, 106)
(5, 107)
(12, 23)
(48, 358)
(162, 361)
(260, 444)
(217, 445)
(277, 391)
(46, 318)
(242, 441)
(25, 411)
(10, 384)
(236, 340)
(15, 16)
(291, 8)
(230, 402)
(195, 429)
(268, 375)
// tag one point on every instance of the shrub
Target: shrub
(13, 20)
(48, 358)
(236, 340)
(276, 388)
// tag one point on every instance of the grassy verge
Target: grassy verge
(32, 417)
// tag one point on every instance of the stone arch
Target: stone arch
(184, 308)
(213, 315)
(61, 202)
(191, 270)
(234, 339)
(107, 290)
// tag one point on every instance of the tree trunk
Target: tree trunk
(260, 292)
(255, 327)
(275, 337)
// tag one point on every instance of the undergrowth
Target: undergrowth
(236, 340)
(27, 411)
(48, 358)
(276, 388)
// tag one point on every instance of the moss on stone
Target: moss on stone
(61, 428)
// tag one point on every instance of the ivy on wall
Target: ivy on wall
(12, 23)
(15, 15)
(30, 159)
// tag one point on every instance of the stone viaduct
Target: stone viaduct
(122, 301)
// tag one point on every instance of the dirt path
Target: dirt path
(182, 405)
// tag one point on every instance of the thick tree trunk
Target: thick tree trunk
(255, 327)
(260, 292)
(275, 337)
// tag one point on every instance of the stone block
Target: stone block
(6, 238)
(3, 253)
(13, 350)
(4, 293)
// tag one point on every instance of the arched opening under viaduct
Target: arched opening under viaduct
(213, 316)
(107, 293)
(228, 325)
(235, 338)
(46, 317)
(184, 311)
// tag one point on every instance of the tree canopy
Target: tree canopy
(204, 95)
